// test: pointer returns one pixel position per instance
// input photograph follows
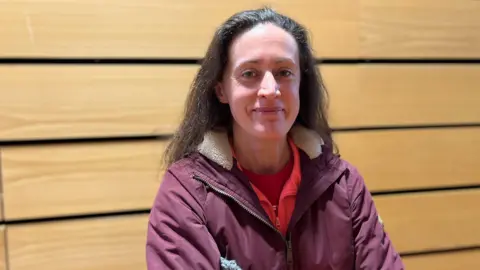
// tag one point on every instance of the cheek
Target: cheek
(239, 102)
(292, 97)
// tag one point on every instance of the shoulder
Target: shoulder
(344, 174)
(359, 196)
(178, 183)
(194, 164)
(354, 181)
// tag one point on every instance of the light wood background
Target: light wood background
(80, 164)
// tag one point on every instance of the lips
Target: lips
(268, 109)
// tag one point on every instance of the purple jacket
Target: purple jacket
(205, 209)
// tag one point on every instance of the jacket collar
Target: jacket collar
(216, 145)
(316, 175)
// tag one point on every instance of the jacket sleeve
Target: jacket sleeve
(373, 247)
(177, 237)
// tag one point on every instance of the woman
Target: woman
(252, 176)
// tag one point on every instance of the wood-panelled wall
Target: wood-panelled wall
(86, 87)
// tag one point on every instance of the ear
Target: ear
(220, 92)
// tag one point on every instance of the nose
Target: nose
(268, 86)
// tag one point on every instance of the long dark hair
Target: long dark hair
(204, 112)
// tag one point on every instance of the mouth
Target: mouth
(268, 109)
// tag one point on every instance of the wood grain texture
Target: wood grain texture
(113, 243)
(385, 95)
(97, 177)
(156, 28)
(56, 180)
(91, 101)
(420, 28)
(3, 262)
(98, 101)
(1, 189)
(449, 261)
(411, 159)
(433, 220)
(413, 221)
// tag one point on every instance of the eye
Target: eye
(249, 74)
(285, 73)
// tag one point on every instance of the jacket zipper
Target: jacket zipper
(289, 252)
(288, 240)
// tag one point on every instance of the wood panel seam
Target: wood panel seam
(412, 254)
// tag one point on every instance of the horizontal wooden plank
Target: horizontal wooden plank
(156, 28)
(97, 101)
(2, 217)
(433, 220)
(97, 177)
(3, 264)
(118, 243)
(366, 28)
(446, 261)
(114, 243)
(420, 28)
(91, 101)
(411, 159)
(55, 180)
(402, 94)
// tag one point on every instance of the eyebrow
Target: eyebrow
(256, 61)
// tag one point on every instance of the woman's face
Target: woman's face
(261, 61)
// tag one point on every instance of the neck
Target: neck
(261, 156)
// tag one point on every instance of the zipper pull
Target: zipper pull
(277, 220)
(289, 252)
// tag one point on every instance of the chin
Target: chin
(276, 132)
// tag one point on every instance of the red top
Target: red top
(280, 188)
(271, 185)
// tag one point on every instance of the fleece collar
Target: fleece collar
(216, 146)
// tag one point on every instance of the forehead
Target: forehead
(264, 42)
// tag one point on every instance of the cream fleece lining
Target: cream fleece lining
(216, 146)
